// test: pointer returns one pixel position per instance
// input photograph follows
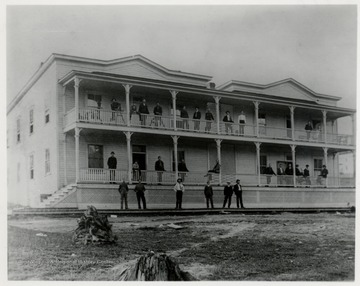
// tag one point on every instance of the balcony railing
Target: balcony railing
(100, 116)
(96, 175)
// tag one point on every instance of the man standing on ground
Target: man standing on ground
(228, 191)
(179, 190)
(123, 190)
(238, 193)
(208, 191)
(112, 162)
(140, 194)
(159, 167)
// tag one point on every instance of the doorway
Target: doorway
(139, 156)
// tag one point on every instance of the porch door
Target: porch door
(288, 127)
(139, 156)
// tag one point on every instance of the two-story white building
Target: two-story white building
(62, 129)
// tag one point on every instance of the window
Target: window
(263, 164)
(181, 156)
(262, 118)
(318, 166)
(95, 156)
(31, 121)
(94, 100)
(31, 166)
(47, 161)
(18, 130)
(47, 116)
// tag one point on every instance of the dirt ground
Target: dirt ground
(287, 246)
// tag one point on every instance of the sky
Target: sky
(313, 44)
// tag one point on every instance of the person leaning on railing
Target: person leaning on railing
(158, 114)
(143, 111)
(307, 176)
(197, 117)
(323, 175)
(208, 117)
(308, 128)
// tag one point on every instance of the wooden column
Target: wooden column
(128, 149)
(127, 98)
(77, 86)
(217, 102)
(175, 140)
(173, 95)
(218, 148)
(256, 104)
(77, 154)
(324, 123)
(292, 109)
(257, 144)
(293, 147)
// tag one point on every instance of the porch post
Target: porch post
(257, 144)
(326, 162)
(127, 97)
(128, 148)
(65, 161)
(218, 148)
(76, 86)
(292, 109)
(217, 103)
(173, 95)
(175, 139)
(256, 104)
(293, 163)
(324, 123)
(77, 152)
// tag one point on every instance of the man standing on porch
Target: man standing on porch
(140, 194)
(269, 172)
(143, 111)
(159, 167)
(179, 190)
(112, 162)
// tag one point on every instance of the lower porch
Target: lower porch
(106, 196)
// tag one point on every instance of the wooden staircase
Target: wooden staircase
(58, 196)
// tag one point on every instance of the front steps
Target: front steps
(58, 196)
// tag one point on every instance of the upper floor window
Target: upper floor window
(31, 165)
(47, 161)
(318, 163)
(47, 116)
(94, 100)
(18, 137)
(263, 164)
(31, 121)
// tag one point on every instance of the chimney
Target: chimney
(211, 85)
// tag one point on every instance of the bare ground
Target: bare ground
(292, 247)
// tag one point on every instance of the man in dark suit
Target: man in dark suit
(115, 107)
(140, 194)
(112, 163)
(197, 117)
(185, 121)
(228, 191)
(228, 126)
(182, 168)
(123, 190)
(208, 192)
(323, 175)
(157, 113)
(238, 193)
(208, 117)
(159, 167)
(269, 172)
(143, 110)
(307, 176)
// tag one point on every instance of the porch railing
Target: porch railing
(96, 175)
(109, 117)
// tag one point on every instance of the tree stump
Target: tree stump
(154, 267)
(93, 227)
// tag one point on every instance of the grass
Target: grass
(317, 247)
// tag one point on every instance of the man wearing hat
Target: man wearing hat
(238, 193)
(179, 190)
(112, 162)
(228, 191)
(115, 107)
(323, 175)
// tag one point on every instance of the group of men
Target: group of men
(285, 175)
